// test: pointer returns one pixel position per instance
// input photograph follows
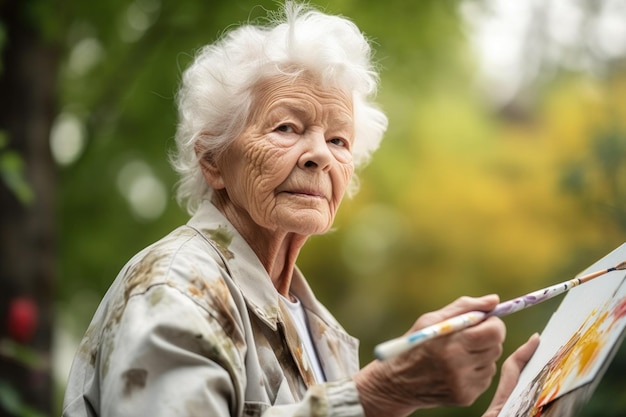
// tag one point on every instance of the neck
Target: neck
(277, 250)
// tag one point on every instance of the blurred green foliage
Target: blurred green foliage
(13, 172)
(461, 199)
(12, 403)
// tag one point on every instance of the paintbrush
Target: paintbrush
(401, 344)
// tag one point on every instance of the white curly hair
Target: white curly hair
(215, 96)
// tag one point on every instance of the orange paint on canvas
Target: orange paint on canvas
(575, 358)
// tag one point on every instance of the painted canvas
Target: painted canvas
(576, 343)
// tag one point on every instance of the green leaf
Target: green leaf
(10, 400)
(31, 412)
(22, 354)
(12, 172)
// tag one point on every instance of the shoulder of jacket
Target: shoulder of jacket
(183, 259)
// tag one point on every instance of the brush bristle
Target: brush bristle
(621, 265)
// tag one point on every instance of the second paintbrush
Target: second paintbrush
(402, 344)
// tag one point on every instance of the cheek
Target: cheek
(264, 169)
(343, 156)
(342, 180)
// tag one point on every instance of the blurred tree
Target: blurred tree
(28, 84)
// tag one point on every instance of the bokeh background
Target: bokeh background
(503, 169)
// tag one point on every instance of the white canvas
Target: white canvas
(576, 342)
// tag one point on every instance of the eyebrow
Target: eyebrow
(341, 119)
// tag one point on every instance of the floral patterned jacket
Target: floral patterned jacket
(193, 326)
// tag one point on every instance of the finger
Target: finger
(511, 370)
(459, 306)
(483, 336)
(486, 371)
(473, 347)
(481, 364)
(473, 382)
(487, 357)
(515, 363)
(459, 360)
(464, 304)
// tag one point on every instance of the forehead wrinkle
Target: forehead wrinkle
(341, 119)
(301, 108)
(343, 116)
(302, 96)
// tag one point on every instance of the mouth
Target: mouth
(306, 193)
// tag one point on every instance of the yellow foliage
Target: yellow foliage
(486, 198)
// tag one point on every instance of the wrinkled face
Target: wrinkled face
(289, 169)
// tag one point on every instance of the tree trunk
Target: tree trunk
(28, 78)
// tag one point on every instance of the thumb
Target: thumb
(511, 369)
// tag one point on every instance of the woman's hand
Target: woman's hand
(450, 370)
(511, 369)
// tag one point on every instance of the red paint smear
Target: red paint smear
(620, 310)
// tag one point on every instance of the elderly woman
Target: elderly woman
(215, 319)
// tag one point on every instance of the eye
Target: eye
(339, 142)
(285, 128)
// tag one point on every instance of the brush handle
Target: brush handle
(401, 344)
(511, 306)
(539, 296)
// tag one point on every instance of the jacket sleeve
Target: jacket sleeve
(168, 357)
(331, 399)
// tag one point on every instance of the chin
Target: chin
(307, 224)
(309, 229)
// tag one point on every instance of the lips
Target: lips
(308, 193)
(305, 191)
(310, 186)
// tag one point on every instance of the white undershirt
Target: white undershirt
(299, 318)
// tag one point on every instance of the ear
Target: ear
(210, 170)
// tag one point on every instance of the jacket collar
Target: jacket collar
(249, 274)
(244, 266)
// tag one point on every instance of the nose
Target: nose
(316, 153)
